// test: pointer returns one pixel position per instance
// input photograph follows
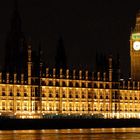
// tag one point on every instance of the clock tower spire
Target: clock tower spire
(137, 26)
(135, 50)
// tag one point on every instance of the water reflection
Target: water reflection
(74, 134)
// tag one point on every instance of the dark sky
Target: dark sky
(87, 26)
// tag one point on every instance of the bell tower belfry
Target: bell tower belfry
(135, 50)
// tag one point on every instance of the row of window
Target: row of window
(76, 96)
(11, 90)
(25, 108)
(11, 94)
(125, 98)
(90, 96)
(57, 109)
(76, 84)
(70, 109)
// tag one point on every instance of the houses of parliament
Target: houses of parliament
(30, 89)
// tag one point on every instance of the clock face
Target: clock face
(136, 45)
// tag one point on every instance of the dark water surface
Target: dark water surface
(73, 134)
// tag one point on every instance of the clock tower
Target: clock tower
(135, 50)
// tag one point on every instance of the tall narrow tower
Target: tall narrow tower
(60, 58)
(15, 44)
(135, 50)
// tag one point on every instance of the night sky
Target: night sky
(87, 26)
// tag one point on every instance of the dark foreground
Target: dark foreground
(15, 124)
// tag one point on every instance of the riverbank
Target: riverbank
(20, 124)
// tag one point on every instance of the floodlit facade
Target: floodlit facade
(69, 92)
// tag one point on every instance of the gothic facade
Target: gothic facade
(32, 91)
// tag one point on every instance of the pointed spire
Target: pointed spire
(118, 60)
(137, 26)
(60, 58)
(16, 20)
(118, 67)
(15, 5)
(15, 43)
(40, 51)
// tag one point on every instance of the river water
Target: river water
(72, 134)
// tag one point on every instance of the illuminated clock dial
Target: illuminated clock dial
(136, 45)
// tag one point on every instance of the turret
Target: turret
(15, 44)
(60, 58)
(54, 72)
(29, 63)
(110, 68)
(80, 74)
(7, 78)
(67, 73)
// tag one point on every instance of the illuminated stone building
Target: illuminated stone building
(25, 93)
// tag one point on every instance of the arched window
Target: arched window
(77, 85)
(113, 97)
(71, 84)
(101, 97)
(43, 83)
(107, 97)
(18, 108)
(25, 108)
(95, 85)
(11, 94)
(83, 84)
(64, 84)
(83, 96)
(70, 96)
(89, 96)
(89, 85)
(63, 109)
(43, 95)
(57, 95)
(25, 94)
(57, 83)
(50, 95)
(50, 83)
(3, 94)
(32, 94)
(101, 85)
(63, 96)
(107, 86)
(76, 96)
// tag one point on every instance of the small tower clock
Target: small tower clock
(136, 45)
